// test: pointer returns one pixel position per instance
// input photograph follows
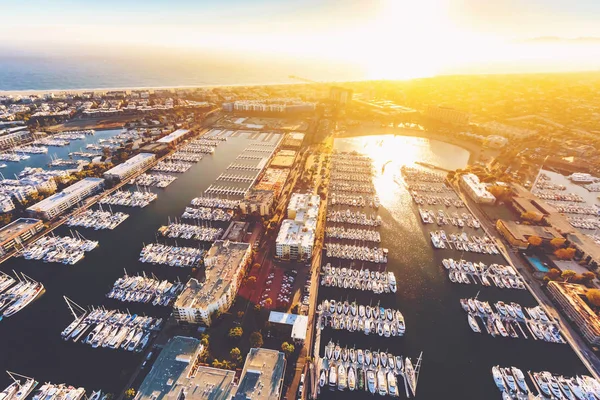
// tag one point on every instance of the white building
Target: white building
(258, 201)
(225, 264)
(305, 204)
(296, 237)
(130, 167)
(475, 189)
(174, 136)
(59, 202)
(6, 204)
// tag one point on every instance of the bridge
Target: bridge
(475, 150)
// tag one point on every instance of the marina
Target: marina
(110, 329)
(193, 232)
(354, 252)
(512, 382)
(358, 279)
(207, 214)
(15, 298)
(501, 276)
(339, 232)
(354, 201)
(59, 392)
(144, 289)
(172, 166)
(353, 218)
(186, 157)
(509, 320)
(20, 387)
(463, 242)
(365, 370)
(97, 219)
(360, 318)
(134, 198)
(158, 180)
(173, 256)
(215, 202)
(59, 249)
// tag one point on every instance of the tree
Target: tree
(530, 216)
(593, 296)
(565, 254)
(251, 280)
(535, 241)
(268, 302)
(256, 339)
(236, 333)
(553, 274)
(130, 393)
(257, 307)
(217, 364)
(557, 242)
(235, 354)
(587, 277)
(240, 314)
(287, 348)
(568, 274)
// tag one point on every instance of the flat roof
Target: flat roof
(129, 164)
(573, 294)
(66, 194)
(262, 376)
(16, 227)
(175, 372)
(219, 275)
(521, 232)
(173, 136)
(299, 323)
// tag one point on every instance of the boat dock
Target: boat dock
(225, 190)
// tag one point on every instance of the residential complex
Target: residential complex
(517, 234)
(283, 159)
(273, 179)
(59, 202)
(258, 201)
(225, 263)
(571, 299)
(273, 105)
(17, 232)
(178, 374)
(293, 140)
(296, 236)
(448, 115)
(130, 167)
(476, 190)
(174, 137)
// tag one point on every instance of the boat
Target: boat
(520, 378)
(381, 382)
(329, 350)
(342, 377)
(473, 323)
(564, 387)
(498, 378)
(323, 378)
(399, 363)
(409, 374)
(542, 383)
(576, 388)
(510, 380)
(500, 327)
(371, 381)
(332, 376)
(336, 352)
(8, 393)
(554, 388)
(392, 384)
(351, 378)
(361, 379)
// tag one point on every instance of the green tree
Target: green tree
(287, 348)
(236, 332)
(567, 274)
(130, 393)
(235, 354)
(256, 339)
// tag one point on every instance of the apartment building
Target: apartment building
(59, 202)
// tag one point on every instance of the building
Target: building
(293, 140)
(534, 209)
(571, 299)
(283, 159)
(304, 206)
(59, 202)
(176, 374)
(273, 179)
(262, 376)
(13, 136)
(6, 203)
(294, 241)
(508, 131)
(517, 234)
(174, 137)
(225, 263)
(236, 231)
(340, 95)
(476, 190)
(258, 202)
(448, 115)
(128, 168)
(18, 232)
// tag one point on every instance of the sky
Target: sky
(387, 38)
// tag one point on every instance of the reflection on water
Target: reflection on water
(456, 362)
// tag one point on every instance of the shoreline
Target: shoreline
(172, 87)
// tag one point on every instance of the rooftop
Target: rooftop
(175, 372)
(222, 262)
(15, 228)
(574, 294)
(262, 376)
(295, 233)
(130, 163)
(299, 323)
(479, 188)
(522, 232)
(173, 136)
(259, 196)
(72, 191)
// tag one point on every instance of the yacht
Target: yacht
(392, 384)
(371, 381)
(576, 388)
(332, 376)
(9, 391)
(510, 380)
(498, 378)
(580, 177)
(542, 383)
(323, 378)
(381, 382)
(351, 378)
(25, 389)
(520, 378)
(554, 388)
(342, 378)
(473, 324)
(409, 373)
(329, 350)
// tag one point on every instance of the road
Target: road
(578, 344)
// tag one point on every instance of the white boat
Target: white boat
(381, 382)
(520, 378)
(323, 378)
(342, 377)
(8, 393)
(409, 373)
(371, 381)
(351, 378)
(498, 378)
(392, 384)
(473, 323)
(332, 376)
